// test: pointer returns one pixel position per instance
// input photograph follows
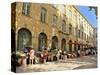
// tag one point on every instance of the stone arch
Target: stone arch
(63, 44)
(42, 39)
(70, 45)
(24, 38)
(54, 42)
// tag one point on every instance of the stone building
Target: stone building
(95, 44)
(49, 26)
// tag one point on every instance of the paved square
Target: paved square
(84, 62)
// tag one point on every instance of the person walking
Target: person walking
(65, 56)
(44, 54)
(32, 56)
(58, 55)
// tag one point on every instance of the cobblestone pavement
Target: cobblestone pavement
(70, 64)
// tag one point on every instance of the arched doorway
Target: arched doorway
(63, 44)
(70, 45)
(42, 41)
(24, 39)
(54, 42)
(12, 40)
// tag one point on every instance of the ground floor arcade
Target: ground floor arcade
(24, 38)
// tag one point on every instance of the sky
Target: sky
(90, 15)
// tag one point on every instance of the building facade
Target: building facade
(95, 38)
(49, 26)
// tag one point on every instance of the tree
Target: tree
(95, 10)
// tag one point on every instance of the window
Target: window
(76, 18)
(43, 15)
(54, 20)
(70, 28)
(82, 35)
(73, 15)
(26, 9)
(63, 26)
(79, 33)
(70, 13)
(74, 31)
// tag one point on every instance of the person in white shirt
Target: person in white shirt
(58, 55)
(32, 56)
